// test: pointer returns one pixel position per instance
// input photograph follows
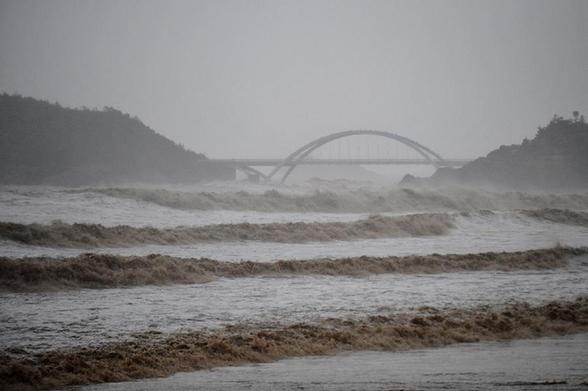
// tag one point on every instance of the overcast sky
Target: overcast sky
(259, 78)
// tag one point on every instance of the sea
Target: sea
(36, 321)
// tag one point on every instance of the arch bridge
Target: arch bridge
(301, 156)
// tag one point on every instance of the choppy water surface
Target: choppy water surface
(49, 320)
(476, 232)
(503, 231)
(44, 205)
(92, 316)
(513, 365)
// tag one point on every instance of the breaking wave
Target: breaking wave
(107, 271)
(562, 216)
(151, 355)
(360, 201)
(94, 235)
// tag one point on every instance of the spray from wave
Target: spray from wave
(359, 201)
(94, 235)
(151, 356)
(108, 271)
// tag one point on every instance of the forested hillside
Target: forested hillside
(556, 159)
(44, 143)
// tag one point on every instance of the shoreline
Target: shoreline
(149, 357)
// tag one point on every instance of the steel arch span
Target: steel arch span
(298, 156)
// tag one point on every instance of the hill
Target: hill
(555, 160)
(44, 143)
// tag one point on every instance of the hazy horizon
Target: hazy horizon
(129, 263)
(258, 79)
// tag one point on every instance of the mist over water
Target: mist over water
(97, 316)
(433, 233)
(66, 315)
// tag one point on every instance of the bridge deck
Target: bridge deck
(275, 162)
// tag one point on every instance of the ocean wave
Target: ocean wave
(561, 216)
(151, 355)
(95, 235)
(109, 271)
(358, 201)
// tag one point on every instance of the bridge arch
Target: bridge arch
(297, 156)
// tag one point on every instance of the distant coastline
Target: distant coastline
(42, 143)
(555, 160)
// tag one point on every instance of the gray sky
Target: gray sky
(260, 78)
